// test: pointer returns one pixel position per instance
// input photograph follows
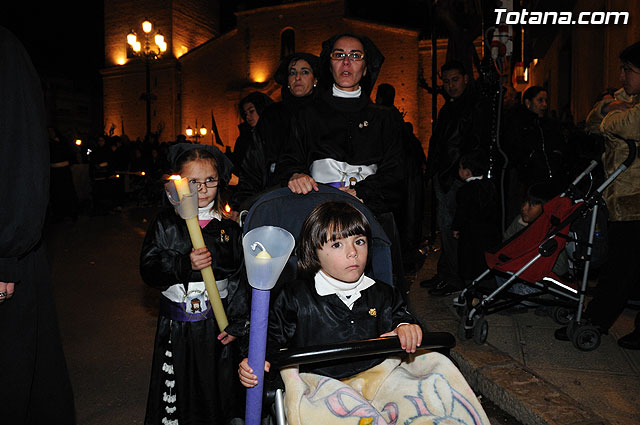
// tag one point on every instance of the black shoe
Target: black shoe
(561, 334)
(443, 289)
(630, 341)
(430, 283)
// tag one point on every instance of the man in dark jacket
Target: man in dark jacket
(461, 127)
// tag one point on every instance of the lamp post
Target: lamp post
(197, 133)
(154, 46)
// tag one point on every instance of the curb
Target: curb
(505, 381)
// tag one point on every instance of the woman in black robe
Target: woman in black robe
(345, 140)
(260, 168)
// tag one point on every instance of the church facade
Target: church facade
(203, 73)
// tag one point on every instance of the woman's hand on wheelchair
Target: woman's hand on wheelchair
(410, 336)
(247, 378)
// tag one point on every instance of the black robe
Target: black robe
(355, 131)
(478, 221)
(299, 317)
(260, 169)
(34, 382)
(207, 387)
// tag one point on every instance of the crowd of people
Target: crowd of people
(326, 130)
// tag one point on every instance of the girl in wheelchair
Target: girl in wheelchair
(334, 301)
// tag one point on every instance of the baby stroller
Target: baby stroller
(287, 210)
(529, 257)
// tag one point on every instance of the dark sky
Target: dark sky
(62, 37)
(66, 37)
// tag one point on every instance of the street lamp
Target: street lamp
(197, 133)
(154, 46)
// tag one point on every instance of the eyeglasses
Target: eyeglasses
(353, 56)
(209, 183)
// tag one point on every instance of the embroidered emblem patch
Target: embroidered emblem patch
(373, 312)
(194, 304)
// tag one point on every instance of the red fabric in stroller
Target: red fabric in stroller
(524, 246)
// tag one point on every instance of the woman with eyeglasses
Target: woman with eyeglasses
(347, 141)
(297, 75)
(344, 139)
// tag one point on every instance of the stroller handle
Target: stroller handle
(374, 346)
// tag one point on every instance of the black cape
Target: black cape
(34, 381)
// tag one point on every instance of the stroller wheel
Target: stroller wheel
(585, 337)
(561, 315)
(480, 330)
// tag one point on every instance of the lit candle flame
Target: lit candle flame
(227, 208)
(175, 177)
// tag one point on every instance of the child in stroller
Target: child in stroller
(334, 301)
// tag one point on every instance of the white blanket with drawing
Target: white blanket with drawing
(426, 389)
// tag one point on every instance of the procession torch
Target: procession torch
(184, 198)
(266, 251)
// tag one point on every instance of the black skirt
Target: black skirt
(194, 377)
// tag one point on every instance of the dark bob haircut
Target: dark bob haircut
(328, 221)
(532, 92)
(260, 102)
(631, 55)
(453, 64)
(282, 73)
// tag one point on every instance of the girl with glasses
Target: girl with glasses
(194, 361)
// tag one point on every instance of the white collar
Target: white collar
(346, 94)
(470, 179)
(348, 293)
(208, 213)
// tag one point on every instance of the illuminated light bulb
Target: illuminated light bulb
(147, 26)
(78, 142)
(142, 173)
(163, 46)
(159, 39)
(137, 46)
(189, 131)
(131, 38)
(203, 131)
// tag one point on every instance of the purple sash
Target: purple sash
(177, 311)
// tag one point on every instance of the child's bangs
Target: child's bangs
(343, 227)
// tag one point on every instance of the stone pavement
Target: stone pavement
(524, 370)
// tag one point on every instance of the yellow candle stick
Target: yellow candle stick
(182, 187)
